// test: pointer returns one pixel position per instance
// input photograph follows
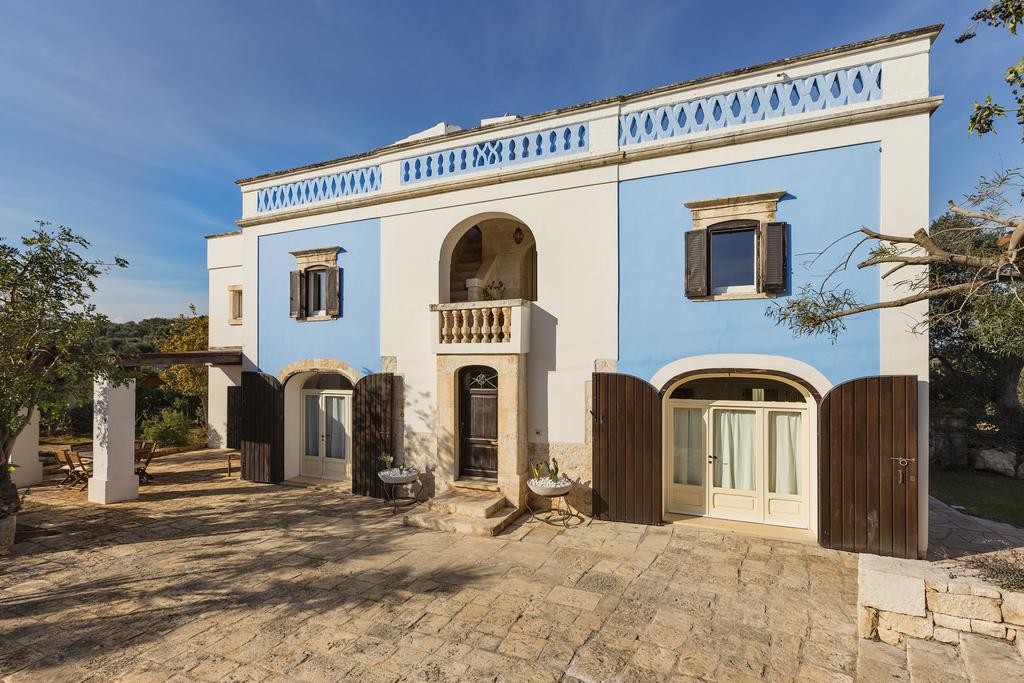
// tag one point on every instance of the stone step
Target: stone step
(480, 504)
(476, 485)
(472, 526)
(990, 659)
(929, 661)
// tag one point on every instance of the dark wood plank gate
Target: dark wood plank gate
(233, 439)
(627, 464)
(372, 430)
(261, 435)
(867, 466)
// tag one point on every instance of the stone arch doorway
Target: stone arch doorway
(488, 257)
(738, 446)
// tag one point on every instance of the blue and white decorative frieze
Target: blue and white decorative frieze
(813, 93)
(332, 186)
(499, 153)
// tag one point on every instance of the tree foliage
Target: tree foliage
(1008, 14)
(50, 332)
(187, 333)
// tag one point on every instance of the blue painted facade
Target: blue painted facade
(830, 193)
(354, 337)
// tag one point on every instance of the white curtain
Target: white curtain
(312, 426)
(687, 458)
(735, 449)
(784, 452)
(335, 427)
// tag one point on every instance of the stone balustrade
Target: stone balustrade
(487, 326)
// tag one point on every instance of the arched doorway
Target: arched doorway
(325, 431)
(489, 259)
(478, 422)
(738, 447)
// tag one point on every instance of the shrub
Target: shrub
(169, 428)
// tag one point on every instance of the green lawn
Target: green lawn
(982, 494)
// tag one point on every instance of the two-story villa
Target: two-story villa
(590, 285)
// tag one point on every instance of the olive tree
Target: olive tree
(50, 332)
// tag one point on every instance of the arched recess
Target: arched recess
(485, 247)
(292, 378)
(806, 379)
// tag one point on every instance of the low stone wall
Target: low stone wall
(898, 598)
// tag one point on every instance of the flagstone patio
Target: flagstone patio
(210, 578)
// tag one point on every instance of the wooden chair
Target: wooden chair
(140, 469)
(70, 474)
(82, 469)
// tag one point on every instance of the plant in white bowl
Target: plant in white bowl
(548, 481)
(396, 475)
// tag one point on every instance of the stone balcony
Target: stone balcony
(477, 327)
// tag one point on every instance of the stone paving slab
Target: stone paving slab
(207, 578)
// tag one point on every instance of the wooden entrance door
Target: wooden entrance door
(478, 422)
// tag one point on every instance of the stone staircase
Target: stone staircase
(467, 511)
(977, 659)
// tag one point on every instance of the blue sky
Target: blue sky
(129, 121)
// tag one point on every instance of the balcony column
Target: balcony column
(113, 443)
(474, 289)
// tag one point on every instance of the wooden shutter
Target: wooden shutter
(627, 455)
(371, 432)
(297, 294)
(333, 303)
(867, 466)
(262, 428)
(696, 263)
(233, 438)
(773, 257)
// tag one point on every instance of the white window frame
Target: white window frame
(235, 312)
(318, 275)
(733, 289)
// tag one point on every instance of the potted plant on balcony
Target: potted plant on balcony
(548, 481)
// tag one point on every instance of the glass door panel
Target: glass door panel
(735, 464)
(335, 436)
(686, 476)
(786, 499)
(310, 466)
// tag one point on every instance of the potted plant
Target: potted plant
(548, 481)
(396, 475)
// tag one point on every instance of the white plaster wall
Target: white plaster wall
(25, 455)
(219, 378)
(222, 333)
(573, 321)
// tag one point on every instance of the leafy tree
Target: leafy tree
(50, 332)
(187, 333)
(980, 262)
(1008, 14)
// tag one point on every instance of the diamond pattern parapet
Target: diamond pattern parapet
(813, 93)
(497, 153)
(318, 189)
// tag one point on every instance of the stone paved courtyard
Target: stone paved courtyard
(212, 579)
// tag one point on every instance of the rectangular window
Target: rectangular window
(235, 304)
(316, 292)
(733, 260)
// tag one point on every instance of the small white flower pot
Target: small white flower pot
(541, 487)
(394, 477)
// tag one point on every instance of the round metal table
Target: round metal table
(391, 484)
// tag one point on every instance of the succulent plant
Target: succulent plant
(538, 469)
(387, 459)
(553, 469)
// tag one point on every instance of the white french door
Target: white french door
(326, 436)
(744, 461)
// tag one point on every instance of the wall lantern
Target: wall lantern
(518, 235)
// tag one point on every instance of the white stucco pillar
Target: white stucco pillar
(113, 441)
(26, 455)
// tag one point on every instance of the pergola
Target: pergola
(113, 424)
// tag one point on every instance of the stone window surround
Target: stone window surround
(760, 206)
(232, 319)
(305, 259)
